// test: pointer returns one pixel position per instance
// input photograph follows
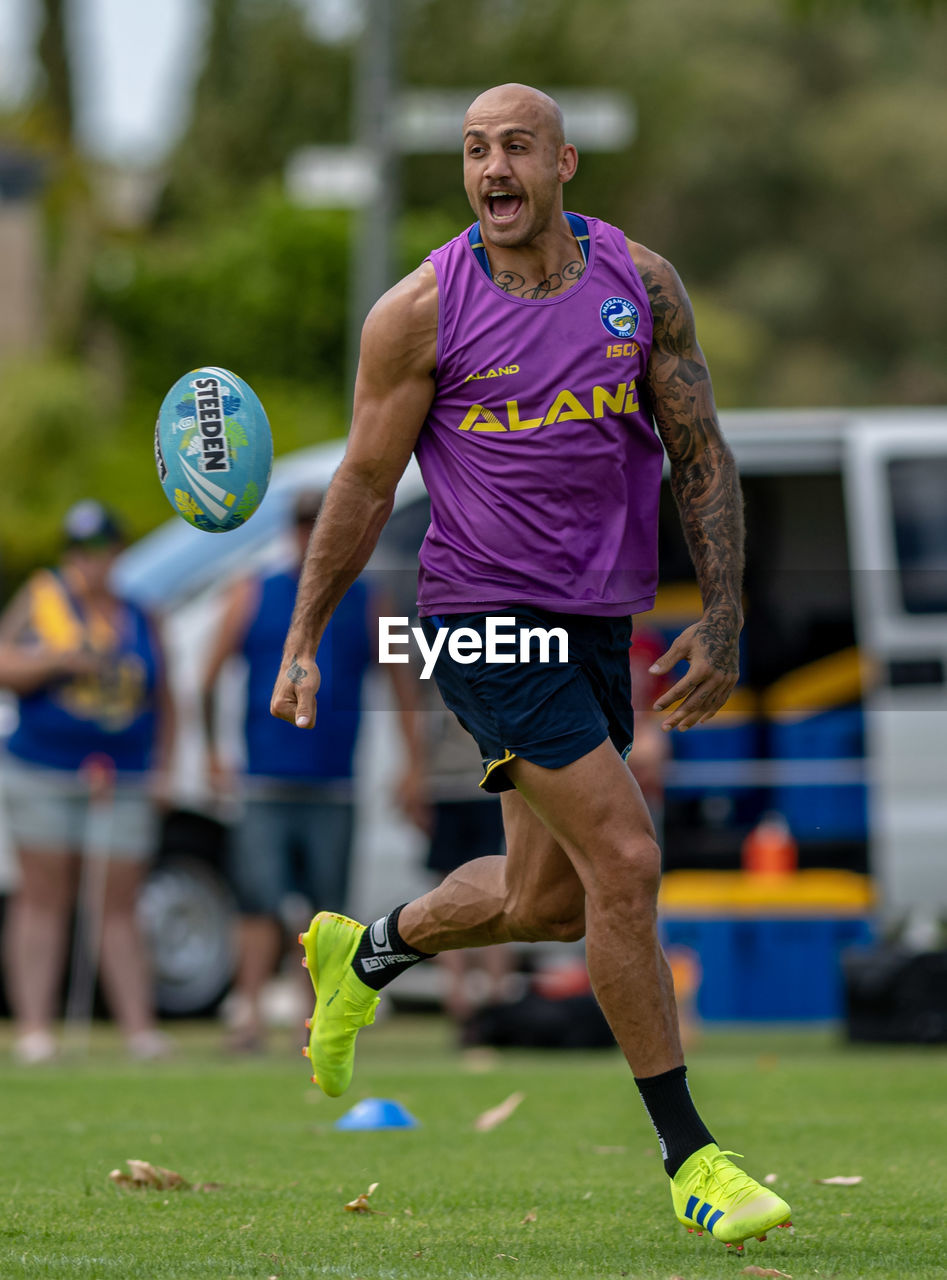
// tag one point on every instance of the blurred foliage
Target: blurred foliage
(50, 410)
(265, 89)
(56, 102)
(261, 289)
(788, 161)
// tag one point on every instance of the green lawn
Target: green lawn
(578, 1153)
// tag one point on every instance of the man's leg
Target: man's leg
(591, 814)
(533, 894)
(594, 810)
(587, 818)
(581, 837)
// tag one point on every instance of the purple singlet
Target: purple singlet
(542, 466)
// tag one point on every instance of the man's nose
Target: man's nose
(498, 163)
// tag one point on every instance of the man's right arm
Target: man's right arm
(393, 392)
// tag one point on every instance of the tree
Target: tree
(55, 103)
(266, 87)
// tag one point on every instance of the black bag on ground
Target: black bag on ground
(534, 1022)
(896, 996)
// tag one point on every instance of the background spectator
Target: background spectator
(95, 724)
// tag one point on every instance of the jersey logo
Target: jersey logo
(499, 372)
(566, 407)
(620, 317)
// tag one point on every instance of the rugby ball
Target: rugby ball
(213, 449)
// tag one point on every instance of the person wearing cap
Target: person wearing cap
(294, 831)
(82, 771)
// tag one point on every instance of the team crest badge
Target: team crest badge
(620, 317)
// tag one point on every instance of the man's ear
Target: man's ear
(568, 162)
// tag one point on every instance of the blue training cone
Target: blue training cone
(377, 1113)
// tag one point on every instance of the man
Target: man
(527, 363)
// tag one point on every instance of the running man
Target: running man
(536, 365)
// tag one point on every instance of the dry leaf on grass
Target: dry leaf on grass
(143, 1174)
(765, 1271)
(530, 1217)
(360, 1203)
(840, 1181)
(496, 1115)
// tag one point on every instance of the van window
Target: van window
(917, 487)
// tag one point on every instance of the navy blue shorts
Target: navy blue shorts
(548, 712)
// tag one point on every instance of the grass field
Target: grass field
(578, 1156)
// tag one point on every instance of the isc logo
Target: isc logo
(621, 349)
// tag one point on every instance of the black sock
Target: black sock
(382, 953)
(680, 1129)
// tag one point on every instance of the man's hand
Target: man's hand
(294, 694)
(710, 647)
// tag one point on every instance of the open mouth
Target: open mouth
(503, 205)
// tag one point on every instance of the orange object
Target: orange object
(770, 849)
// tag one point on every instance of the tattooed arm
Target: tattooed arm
(706, 488)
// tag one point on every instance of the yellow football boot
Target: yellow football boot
(710, 1193)
(343, 1002)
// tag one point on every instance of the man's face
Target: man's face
(514, 165)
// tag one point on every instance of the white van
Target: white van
(847, 581)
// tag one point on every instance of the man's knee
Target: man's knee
(631, 876)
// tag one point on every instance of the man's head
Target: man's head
(515, 162)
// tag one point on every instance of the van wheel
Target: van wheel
(187, 912)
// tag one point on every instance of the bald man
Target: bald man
(539, 366)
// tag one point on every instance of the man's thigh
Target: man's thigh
(592, 811)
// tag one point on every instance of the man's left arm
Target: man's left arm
(706, 489)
